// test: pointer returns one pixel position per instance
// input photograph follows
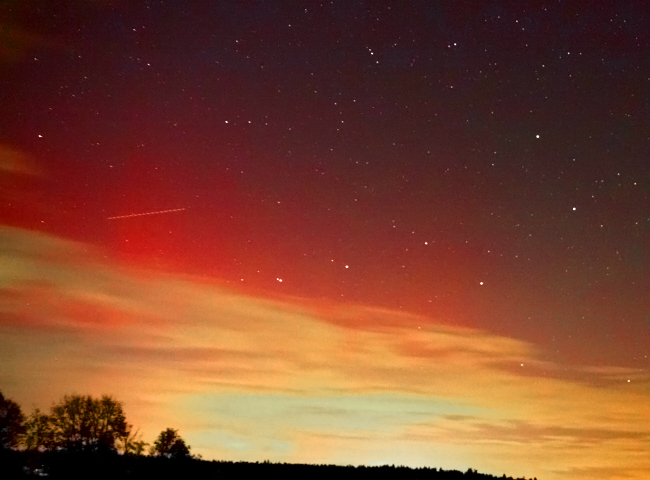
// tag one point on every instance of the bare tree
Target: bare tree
(131, 443)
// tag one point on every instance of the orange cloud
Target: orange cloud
(245, 377)
(16, 162)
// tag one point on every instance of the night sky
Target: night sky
(424, 225)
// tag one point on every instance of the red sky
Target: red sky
(425, 228)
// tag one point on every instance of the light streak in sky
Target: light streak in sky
(146, 213)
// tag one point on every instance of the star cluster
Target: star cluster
(481, 164)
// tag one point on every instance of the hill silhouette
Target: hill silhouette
(74, 465)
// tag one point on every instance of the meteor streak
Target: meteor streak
(146, 213)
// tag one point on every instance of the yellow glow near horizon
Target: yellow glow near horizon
(250, 378)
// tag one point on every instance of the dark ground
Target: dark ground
(60, 465)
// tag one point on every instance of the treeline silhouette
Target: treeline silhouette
(86, 437)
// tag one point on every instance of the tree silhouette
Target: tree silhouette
(11, 423)
(38, 431)
(140, 447)
(170, 444)
(82, 423)
(131, 443)
(78, 423)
